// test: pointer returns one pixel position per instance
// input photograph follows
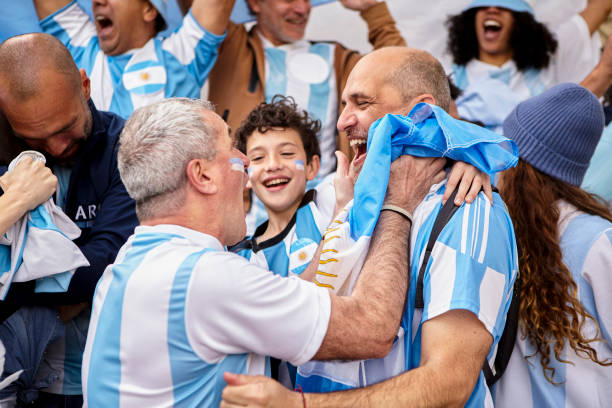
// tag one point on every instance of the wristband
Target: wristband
(397, 209)
(299, 388)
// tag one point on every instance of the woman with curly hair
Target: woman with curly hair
(502, 54)
(563, 351)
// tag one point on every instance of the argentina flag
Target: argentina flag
(427, 131)
(39, 247)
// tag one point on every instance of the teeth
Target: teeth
(276, 181)
(492, 23)
(356, 142)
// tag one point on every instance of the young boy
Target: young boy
(281, 143)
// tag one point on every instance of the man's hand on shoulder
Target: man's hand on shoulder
(358, 5)
(411, 178)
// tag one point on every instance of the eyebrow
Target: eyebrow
(68, 126)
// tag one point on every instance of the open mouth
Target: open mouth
(277, 183)
(360, 148)
(104, 24)
(492, 28)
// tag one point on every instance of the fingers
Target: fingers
(488, 190)
(342, 167)
(453, 180)
(233, 379)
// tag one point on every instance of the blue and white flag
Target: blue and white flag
(39, 247)
(428, 131)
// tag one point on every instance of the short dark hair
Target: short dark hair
(281, 112)
(532, 43)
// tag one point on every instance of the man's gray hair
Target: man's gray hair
(421, 73)
(155, 146)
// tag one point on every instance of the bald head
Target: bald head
(411, 72)
(29, 62)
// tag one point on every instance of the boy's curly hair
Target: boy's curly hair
(533, 44)
(281, 112)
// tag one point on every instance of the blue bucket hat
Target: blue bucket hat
(514, 5)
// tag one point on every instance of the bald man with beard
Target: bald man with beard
(46, 101)
(451, 338)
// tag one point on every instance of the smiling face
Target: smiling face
(367, 97)
(229, 172)
(281, 21)
(493, 27)
(123, 25)
(56, 121)
(279, 169)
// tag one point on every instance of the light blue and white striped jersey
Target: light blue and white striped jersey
(290, 252)
(473, 267)
(176, 310)
(163, 68)
(586, 243)
(577, 54)
(305, 71)
(474, 261)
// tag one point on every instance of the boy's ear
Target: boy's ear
(199, 178)
(312, 168)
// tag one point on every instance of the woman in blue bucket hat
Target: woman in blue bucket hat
(502, 44)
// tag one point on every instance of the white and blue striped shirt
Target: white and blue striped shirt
(163, 68)
(586, 243)
(305, 71)
(577, 54)
(176, 310)
(473, 267)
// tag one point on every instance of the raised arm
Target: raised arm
(47, 7)
(213, 15)
(600, 78)
(382, 31)
(595, 13)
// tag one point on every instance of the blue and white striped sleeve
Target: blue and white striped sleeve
(473, 265)
(194, 47)
(72, 26)
(596, 271)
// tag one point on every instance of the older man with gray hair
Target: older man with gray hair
(176, 309)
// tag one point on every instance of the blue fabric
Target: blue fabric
(598, 177)
(25, 335)
(514, 5)
(489, 101)
(427, 131)
(21, 18)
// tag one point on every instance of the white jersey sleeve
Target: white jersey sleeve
(597, 272)
(194, 47)
(72, 26)
(235, 307)
(577, 53)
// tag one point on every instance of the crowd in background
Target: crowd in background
(251, 250)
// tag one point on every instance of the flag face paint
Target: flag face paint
(237, 164)
(299, 164)
(250, 171)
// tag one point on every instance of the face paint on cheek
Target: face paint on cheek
(250, 171)
(237, 164)
(299, 164)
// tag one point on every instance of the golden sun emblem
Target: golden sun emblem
(302, 256)
(144, 76)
